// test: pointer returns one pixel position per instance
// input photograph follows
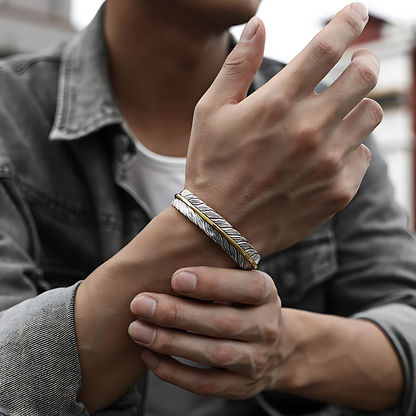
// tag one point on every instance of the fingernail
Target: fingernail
(360, 10)
(184, 282)
(143, 306)
(141, 333)
(150, 359)
(250, 30)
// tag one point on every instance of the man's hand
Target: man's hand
(235, 325)
(276, 165)
(281, 162)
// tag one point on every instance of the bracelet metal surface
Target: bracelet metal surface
(217, 228)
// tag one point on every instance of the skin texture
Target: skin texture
(178, 47)
(252, 344)
(300, 159)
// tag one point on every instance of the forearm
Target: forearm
(339, 360)
(110, 360)
(232, 163)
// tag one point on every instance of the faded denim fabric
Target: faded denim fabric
(66, 207)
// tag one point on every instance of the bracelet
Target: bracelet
(217, 228)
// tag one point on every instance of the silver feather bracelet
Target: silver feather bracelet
(216, 227)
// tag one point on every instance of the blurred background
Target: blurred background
(30, 25)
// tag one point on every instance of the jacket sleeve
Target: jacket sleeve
(40, 372)
(376, 279)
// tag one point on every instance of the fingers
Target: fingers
(308, 68)
(237, 73)
(207, 351)
(349, 159)
(360, 122)
(219, 284)
(351, 176)
(354, 129)
(205, 382)
(214, 320)
(348, 90)
(238, 341)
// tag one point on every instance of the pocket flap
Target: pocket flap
(301, 267)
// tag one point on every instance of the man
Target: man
(277, 165)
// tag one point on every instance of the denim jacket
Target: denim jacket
(66, 207)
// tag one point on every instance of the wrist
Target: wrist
(339, 360)
(102, 312)
(317, 344)
(169, 242)
(290, 376)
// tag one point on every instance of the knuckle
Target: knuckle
(165, 343)
(366, 75)
(280, 102)
(205, 386)
(353, 26)
(275, 293)
(236, 61)
(229, 323)
(260, 363)
(325, 51)
(374, 112)
(165, 375)
(258, 288)
(344, 199)
(308, 136)
(172, 316)
(278, 300)
(271, 332)
(223, 354)
(342, 195)
(366, 154)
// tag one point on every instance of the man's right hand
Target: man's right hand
(281, 162)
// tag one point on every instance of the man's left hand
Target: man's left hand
(233, 324)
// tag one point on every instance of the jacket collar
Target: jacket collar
(85, 102)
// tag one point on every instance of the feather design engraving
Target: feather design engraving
(217, 228)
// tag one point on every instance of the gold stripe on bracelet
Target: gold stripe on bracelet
(212, 224)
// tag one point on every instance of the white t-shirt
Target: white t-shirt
(156, 178)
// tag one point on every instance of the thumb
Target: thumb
(237, 73)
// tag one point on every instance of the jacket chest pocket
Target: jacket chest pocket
(300, 271)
